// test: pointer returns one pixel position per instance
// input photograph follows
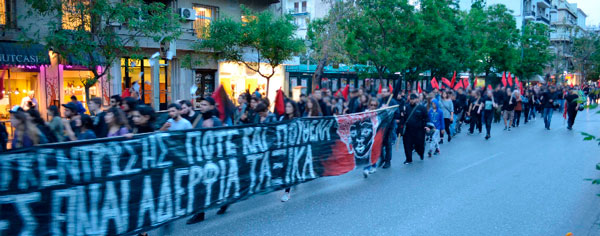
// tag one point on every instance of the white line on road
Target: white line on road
(474, 164)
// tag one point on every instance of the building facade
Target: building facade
(537, 11)
(33, 69)
(567, 23)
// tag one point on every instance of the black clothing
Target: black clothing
(571, 109)
(326, 110)
(143, 129)
(191, 119)
(509, 104)
(99, 126)
(548, 99)
(414, 135)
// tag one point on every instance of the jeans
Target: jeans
(517, 118)
(548, 116)
(488, 115)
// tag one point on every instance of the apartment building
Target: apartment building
(537, 11)
(567, 23)
(34, 69)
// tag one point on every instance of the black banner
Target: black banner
(123, 186)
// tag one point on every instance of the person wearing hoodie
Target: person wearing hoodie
(436, 116)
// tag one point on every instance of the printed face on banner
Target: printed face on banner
(358, 133)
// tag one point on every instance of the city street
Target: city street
(528, 181)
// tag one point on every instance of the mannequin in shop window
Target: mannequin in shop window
(29, 101)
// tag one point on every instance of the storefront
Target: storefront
(300, 76)
(237, 79)
(140, 72)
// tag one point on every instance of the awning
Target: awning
(20, 54)
(537, 78)
(73, 60)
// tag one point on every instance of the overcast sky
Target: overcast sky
(591, 9)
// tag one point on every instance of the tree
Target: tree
(380, 33)
(534, 50)
(326, 38)
(441, 47)
(271, 38)
(586, 55)
(493, 38)
(90, 31)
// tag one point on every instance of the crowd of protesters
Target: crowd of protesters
(424, 120)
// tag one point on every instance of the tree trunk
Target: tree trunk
(87, 96)
(320, 68)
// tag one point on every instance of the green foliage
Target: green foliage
(98, 32)
(493, 38)
(534, 49)
(268, 36)
(586, 55)
(326, 39)
(440, 46)
(380, 33)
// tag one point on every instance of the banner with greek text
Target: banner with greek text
(122, 186)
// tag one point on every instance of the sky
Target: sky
(591, 9)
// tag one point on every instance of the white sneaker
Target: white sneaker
(285, 197)
(372, 170)
(366, 173)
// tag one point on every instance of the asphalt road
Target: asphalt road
(528, 181)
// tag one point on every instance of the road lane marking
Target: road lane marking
(474, 164)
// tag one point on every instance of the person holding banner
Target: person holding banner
(117, 122)
(389, 138)
(26, 134)
(414, 129)
(207, 119)
(291, 112)
(175, 122)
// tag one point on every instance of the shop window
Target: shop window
(204, 16)
(140, 72)
(205, 82)
(3, 12)
(19, 83)
(73, 86)
(75, 16)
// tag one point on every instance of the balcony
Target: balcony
(530, 15)
(543, 3)
(543, 20)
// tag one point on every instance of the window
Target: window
(204, 15)
(304, 6)
(296, 7)
(75, 16)
(3, 12)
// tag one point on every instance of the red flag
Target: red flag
(279, 103)
(346, 91)
(391, 89)
(2, 84)
(510, 82)
(489, 87)
(337, 93)
(458, 86)
(466, 83)
(419, 88)
(379, 91)
(434, 83)
(565, 112)
(225, 105)
(317, 88)
(504, 79)
(446, 82)
(453, 80)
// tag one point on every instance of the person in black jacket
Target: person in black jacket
(548, 98)
(414, 129)
(99, 125)
(572, 106)
(387, 138)
(325, 109)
